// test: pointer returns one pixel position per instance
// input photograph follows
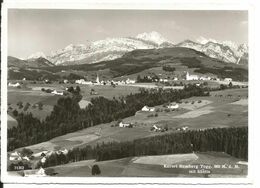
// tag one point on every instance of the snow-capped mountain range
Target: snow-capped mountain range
(112, 48)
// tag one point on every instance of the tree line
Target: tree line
(233, 141)
(68, 117)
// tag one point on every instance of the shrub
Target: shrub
(95, 170)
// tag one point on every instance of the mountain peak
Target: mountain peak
(153, 37)
(37, 55)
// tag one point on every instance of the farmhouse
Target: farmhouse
(163, 80)
(173, 106)
(55, 92)
(128, 81)
(82, 81)
(155, 128)
(43, 160)
(84, 103)
(205, 78)
(191, 77)
(121, 124)
(148, 109)
(36, 173)
(14, 85)
(228, 79)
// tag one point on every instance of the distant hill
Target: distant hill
(36, 62)
(139, 60)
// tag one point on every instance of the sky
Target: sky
(46, 30)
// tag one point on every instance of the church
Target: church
(191, 77)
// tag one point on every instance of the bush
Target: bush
(15, 113)
(26, 152)
(167, 110)
(40, 105)
(95, 170)
(199, 101)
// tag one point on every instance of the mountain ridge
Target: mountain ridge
(113, 48)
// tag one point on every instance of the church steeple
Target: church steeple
(97, 80)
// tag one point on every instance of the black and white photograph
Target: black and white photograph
(147, 93)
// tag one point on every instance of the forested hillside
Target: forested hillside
(233, 141)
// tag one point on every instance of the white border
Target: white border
(117, 4)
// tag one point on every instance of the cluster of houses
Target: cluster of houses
(105, 82)
(17, 84)
(16, 156)
(152, 109)
(35, 173)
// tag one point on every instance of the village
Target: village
(130, 82)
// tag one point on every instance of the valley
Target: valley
(85, 105)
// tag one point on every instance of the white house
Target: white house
(205, 78)
(191, 77)
(55, 92)
(228, 79)
(148, 109)
(121, 124)
(128, 81)
(173, 106)
(185, 128)
(83, 82)
(155, 128)
(43, 160)
(14, 85)
(163, 80)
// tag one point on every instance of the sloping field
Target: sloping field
(165, 159)
(243, 102)
(196, 113)
(11, 122)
